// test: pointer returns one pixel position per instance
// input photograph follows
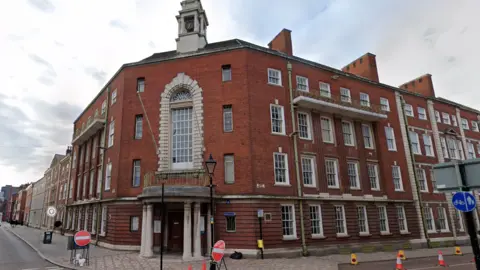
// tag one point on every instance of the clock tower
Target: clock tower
(192, 27)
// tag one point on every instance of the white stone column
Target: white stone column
(144, 227)
(187, 231)
(209, 232)
(197, 246)
(148, 252)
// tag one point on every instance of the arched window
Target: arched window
(181, 130)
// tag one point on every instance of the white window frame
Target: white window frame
(99, 179)
(362, 210)
(285, 160)
(308, 126)
(134, 221)
(331, 130)
(136, 165)
(357, 175)
(400, 181)
(345, 95)
(474, 126)
(228, 117)
(317, 209)
(111, 133)
(409, 110)
(276, 74)
(104, 107)
(371, 139)
(336, 168)
(282, 125)
(446, 118)
(114, 97)
(138, 126)
(364, 100)
(103, 224)
(351, 130)
(382, 210)
(312, 161)
(443, 212)
(384, 104)
(422, 113)
(437, 117)
(343, 220)
(428, 213)
(291, 208)
(226, 73)
(229, 160)
(422, 179)
(428, 145)
(389, 131)
(402, 219)
(140, 85)
(459, 219)
(92, 178)
(108, 176)
(325, 90)
(94, 219)
(443, 143)
(415, 142)
(305, 83)
(464, 123)
(471, 151)
(377, 177)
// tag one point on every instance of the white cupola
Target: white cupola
(192, 27)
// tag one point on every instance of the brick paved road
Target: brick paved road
(453, 262)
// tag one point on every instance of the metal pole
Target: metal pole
(261, 234)
(161, 227)
(213, 264)
(470, 221)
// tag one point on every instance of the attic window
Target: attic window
(420, 80)
(189, 23)
(361, 60)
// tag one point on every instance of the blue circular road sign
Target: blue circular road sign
(464, 201)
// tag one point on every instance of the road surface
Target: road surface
(453, 262)
(16, 255)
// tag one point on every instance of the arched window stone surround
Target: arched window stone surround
(179, 83)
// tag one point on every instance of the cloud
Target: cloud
(118, 24)
(43, 5)
(98, 75)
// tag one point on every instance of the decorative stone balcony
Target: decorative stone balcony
(81, 135)
(345, 106)
(178, 183)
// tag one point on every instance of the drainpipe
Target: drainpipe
(64, 221)
(295, 154)
(99, 210)
(419, 194)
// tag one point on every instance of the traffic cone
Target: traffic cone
(189, 267)
(458, 251)
(204, 265)
(401, 253)
(441, 261)
(353, 259)
(399, 264)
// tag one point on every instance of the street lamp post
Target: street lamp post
(210, 164)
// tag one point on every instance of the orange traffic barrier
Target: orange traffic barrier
(441, 261)
(204, 265)
(353, 259)
(458, 251)
(401, 253)
(399, 264)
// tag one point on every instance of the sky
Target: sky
(56, 55)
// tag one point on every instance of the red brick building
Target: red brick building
(323, 152)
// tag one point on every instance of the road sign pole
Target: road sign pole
(470, 222)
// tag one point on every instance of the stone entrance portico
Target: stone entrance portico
(187, 211)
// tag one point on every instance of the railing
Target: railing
(313, 93)
(79, 131)
(176, 178)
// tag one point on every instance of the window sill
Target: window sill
(405, 232)
(305, 139)
(301, 90)
(328, 142)
(290, 238)
(350, 145)
(318, 236)
(273, 84)
(309, 186)
(281, 185)
(398, 190)
(357, 189)
(365, 234)
(342, 235)
(392, 150)
(385, 233)
(376, 189)
(278, 134)
(333, 187)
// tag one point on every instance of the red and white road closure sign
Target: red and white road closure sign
(82, 238)
(218, 250)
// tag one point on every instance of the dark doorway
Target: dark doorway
(175, 231)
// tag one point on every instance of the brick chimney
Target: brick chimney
(365, 66)
(282, 42)
(422, 85)
(69, 150)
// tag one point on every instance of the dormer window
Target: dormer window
(189, 24)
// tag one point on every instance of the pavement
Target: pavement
(17, 255)
(105, 259)
(430, 263)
